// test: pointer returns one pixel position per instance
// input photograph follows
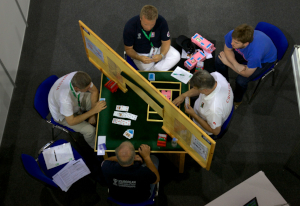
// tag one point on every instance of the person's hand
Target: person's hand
(223, 58)
(138, 158)
(157, 58)
(99, 107)
(145, 59)
(189, 110)
(178, 100)
(92, 120)
(144, 151)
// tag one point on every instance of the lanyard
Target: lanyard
(78, 97)
(148, 37)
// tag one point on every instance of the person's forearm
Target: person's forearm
(231, 58)
(80, 118)
(165, 47)
(94, 97)
(202, 122)
(152, 167)
(191, 93)
(132, 53)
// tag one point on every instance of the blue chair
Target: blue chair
(150, 201)
(130, 61)
(42, 107)
(225, 125)
(281, 44)
(37, 168)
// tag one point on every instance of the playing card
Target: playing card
(102, 99)
(122, 108)
(187, 101)
(130, 116)
(119, 114)
(127, 134)
(121, 122)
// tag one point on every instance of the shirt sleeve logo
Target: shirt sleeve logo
(214, 123)
(168, 34)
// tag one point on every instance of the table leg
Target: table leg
(177, 159)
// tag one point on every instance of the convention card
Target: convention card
(122, 108)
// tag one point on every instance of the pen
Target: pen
(179, 74)
(55, 156)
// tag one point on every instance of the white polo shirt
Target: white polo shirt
(61, 100)
(215, 108)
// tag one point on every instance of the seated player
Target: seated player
(247, 52)
(128, 180)
(214, 104)
(147, 41)
(69, 98)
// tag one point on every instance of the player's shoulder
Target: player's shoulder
(132, 22)
(161, 20)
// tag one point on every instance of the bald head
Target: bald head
(125, 153)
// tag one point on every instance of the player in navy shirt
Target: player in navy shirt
(247, 52)
(147, 41)
(128, 180)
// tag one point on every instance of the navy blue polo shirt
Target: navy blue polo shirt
(133, 35)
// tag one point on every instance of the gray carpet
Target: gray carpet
(261, 135)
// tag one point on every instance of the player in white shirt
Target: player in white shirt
(214, 104)
(73, 99)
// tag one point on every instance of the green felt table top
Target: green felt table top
(145, 132)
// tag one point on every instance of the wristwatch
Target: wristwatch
(163, 56)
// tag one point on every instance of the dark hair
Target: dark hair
(202, 80)
(127, 153)
(149, 12)
(243, 33)
(81, 80)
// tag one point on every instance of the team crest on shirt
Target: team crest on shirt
(139, 36)
(202, 104)
(168, 34)
(152, 34)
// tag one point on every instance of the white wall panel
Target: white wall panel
(12, 30)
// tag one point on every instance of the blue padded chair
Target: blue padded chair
(42, 107)
(281, 44)
(32, 168)
(130, 61)
(225, 125)
(150, 201)
(38, 169)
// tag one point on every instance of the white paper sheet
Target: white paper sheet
(58, 155)
(181, 75)
(72, 172)
(208, 55)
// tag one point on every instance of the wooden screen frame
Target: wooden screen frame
(169, 112)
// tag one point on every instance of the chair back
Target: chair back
(276, 35)
(131, 62)
(225, 124)
(32, 168)
(41, 96)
